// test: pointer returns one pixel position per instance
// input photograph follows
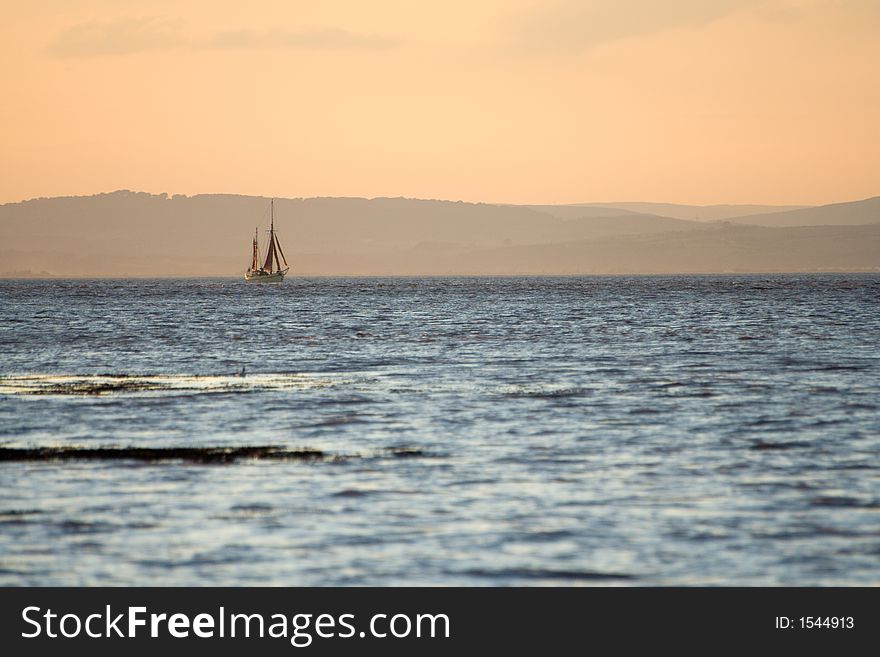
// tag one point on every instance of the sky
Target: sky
(509, 101)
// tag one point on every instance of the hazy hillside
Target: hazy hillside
(724, 248)
(128, 233)
(836, 214)
(727, 248)
(579, 211)
(693, 212)
(137, 234)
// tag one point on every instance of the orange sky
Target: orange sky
(519, 101)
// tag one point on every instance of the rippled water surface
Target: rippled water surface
(479, 431)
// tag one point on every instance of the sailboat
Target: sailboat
(270, 271)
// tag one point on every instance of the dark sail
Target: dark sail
(255, 259)
(281, 253)
(271, 256)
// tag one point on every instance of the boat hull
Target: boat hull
(256, 277)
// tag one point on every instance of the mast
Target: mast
(270, 248)
(276, 244)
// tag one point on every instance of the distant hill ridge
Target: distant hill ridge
(127, 233)
(852, 213)
(698, 212)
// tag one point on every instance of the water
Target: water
(490, 431)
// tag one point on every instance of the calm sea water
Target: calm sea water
(599, 430)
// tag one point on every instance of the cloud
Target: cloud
(137, 35)
(578, 25)
(323, 39)
(122, 37)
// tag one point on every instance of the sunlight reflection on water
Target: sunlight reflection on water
(537, 431)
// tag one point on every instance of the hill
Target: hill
(137, 234)
(835, 214)
(694, 212)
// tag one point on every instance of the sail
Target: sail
(281, 253)
(255, 259)
(270, 253)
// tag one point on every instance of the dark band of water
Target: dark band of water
(153, 454)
